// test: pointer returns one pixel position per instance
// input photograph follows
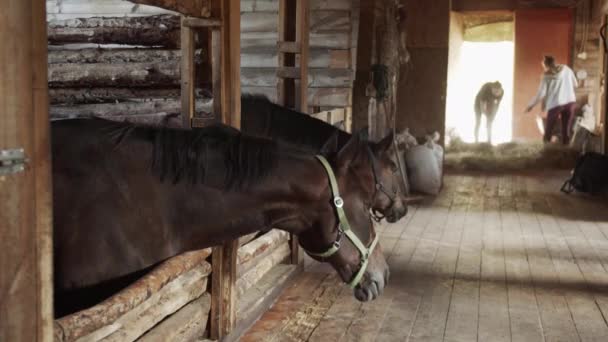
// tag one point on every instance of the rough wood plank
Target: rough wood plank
(187, 324)
(493, 301)
(303, 26)
(74, 96)
(295, 296)
(320, 21)
(317, 97)
(84, 322)
(435, 300)
(223, 312)
(463, 316)
(251, 274)
(162, 30)
(317, 77)
(175, 295)
(114, 74)
(273, 5)
(187, 72)
(24, 197)
(259, 246)
(556, 319)
(125, 109)
(200, 23)
(523, 307)
(288, 47)
(195, 8)
(259, 298)
(288, 72)
(121, 55)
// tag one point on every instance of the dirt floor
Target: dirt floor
(493, 258)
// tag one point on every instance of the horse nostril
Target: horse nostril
(387, 275)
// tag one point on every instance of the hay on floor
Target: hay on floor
(508, 157)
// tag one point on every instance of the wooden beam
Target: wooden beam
(216, 72)
(288, 47)
(25, 197)
(288, 72)
(157, 30)
(367, 24)
(223, 307)
(200, 23)
(302, 33)
(187, 74)
(195, 8)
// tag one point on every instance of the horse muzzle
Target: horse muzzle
(372, 286)
(397, 211)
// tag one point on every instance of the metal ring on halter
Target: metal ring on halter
(338, 202)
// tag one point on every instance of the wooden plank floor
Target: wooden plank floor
(493, 258)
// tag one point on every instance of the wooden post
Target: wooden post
(223, 307)
(25, 197)
(292, 81)
(365, 41)
(187, 73)
(302, 39)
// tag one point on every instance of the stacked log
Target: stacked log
(160, 30)
(132, 312)
(123, 64)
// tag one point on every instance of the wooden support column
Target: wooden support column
(26, 310)
(189, 26)
(292, 73)
(302, 39)
(187, 73)
(365, 43)
(223, 302)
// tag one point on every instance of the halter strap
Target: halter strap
(344, 226)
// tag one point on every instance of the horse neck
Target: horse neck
(293, 198)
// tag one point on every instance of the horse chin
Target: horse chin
(371, 287)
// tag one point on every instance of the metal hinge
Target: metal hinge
(12, 161)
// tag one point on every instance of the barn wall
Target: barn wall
(131, 82)
(422, 94)
(538, 32)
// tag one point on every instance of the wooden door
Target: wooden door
(25, 196)
(538, 32)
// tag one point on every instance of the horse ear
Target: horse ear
(384, 145)
(348, 153)
(331, 145)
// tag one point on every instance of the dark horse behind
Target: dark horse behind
(262, 118)
(127, 197)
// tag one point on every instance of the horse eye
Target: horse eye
(394, 167)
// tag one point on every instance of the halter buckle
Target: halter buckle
(338, 202)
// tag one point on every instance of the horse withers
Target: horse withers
(126, 197)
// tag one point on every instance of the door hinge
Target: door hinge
(12, 161)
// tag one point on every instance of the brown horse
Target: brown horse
(262, 118)
(127, 197)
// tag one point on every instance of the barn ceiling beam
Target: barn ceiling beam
(194, 8)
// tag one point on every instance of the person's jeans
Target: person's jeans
(566, 112)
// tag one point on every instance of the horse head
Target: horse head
(345, 236)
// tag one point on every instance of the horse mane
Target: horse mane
(287, 124)
(182, 155)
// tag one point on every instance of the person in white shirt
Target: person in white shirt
(556, 91)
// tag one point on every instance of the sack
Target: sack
(590, 174)
(424, 166)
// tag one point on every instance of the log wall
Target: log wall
(119, 59)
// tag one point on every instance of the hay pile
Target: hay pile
(508, 157)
